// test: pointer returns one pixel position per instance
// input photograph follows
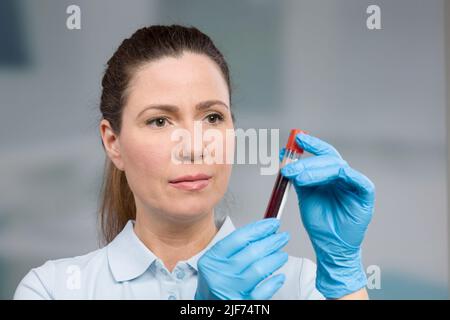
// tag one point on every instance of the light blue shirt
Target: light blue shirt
(127, 269)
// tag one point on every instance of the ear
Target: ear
(111, 143)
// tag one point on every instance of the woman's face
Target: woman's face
(164, 96)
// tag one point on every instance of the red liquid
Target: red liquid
(276, 197)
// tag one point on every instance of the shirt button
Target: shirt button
(180, 274)
(172, 297)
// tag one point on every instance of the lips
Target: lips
(191, 182)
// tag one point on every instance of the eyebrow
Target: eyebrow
(173, 109)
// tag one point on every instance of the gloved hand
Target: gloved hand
(237, 266)
(336, 204)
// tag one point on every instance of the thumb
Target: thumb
(281, 154)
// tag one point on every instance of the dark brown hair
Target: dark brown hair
(147, 44)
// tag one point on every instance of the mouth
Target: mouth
(191, 182)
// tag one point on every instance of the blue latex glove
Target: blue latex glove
(336, 205)
(238, 266)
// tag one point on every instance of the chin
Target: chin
(188, 211)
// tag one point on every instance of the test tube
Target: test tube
(282, 184)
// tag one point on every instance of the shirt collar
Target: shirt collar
(128, 257)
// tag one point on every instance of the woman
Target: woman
(157, 217)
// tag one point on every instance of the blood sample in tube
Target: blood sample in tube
(282, 184)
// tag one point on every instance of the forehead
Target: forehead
(181, 81)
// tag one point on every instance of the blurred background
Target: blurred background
(379, 96)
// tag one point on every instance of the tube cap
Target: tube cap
(291, 144)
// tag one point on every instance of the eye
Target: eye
(214, 118)
(157, 122)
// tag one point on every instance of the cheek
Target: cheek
(223, 173)
(145, 157)
(225, 167)
(230, 145)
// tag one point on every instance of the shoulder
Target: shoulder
(300, 280)
(56, 276)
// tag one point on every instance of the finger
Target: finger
(281, 154)
(264, 267)
(318, 176)
(316, 146)
(328, 171)
(360, 182)
(260, 249)
(293, 169)
(242, 237)
(266, 289)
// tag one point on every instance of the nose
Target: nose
(194, 147)
(192, 153)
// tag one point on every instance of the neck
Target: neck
(174, 241)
